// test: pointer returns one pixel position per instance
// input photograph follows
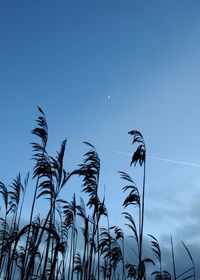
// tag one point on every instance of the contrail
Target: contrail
(164, 159)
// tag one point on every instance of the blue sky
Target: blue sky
(68, 56)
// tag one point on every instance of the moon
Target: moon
(108, 97)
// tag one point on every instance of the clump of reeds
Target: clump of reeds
(48, 248)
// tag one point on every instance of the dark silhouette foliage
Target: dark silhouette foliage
(74, 240)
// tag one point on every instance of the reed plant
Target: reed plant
(49, 247)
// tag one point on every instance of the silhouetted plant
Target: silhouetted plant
(161, 274)
(134, 198)
(47, 247)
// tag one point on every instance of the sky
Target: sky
(99, 69)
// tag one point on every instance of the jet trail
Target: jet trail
(164, 159)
